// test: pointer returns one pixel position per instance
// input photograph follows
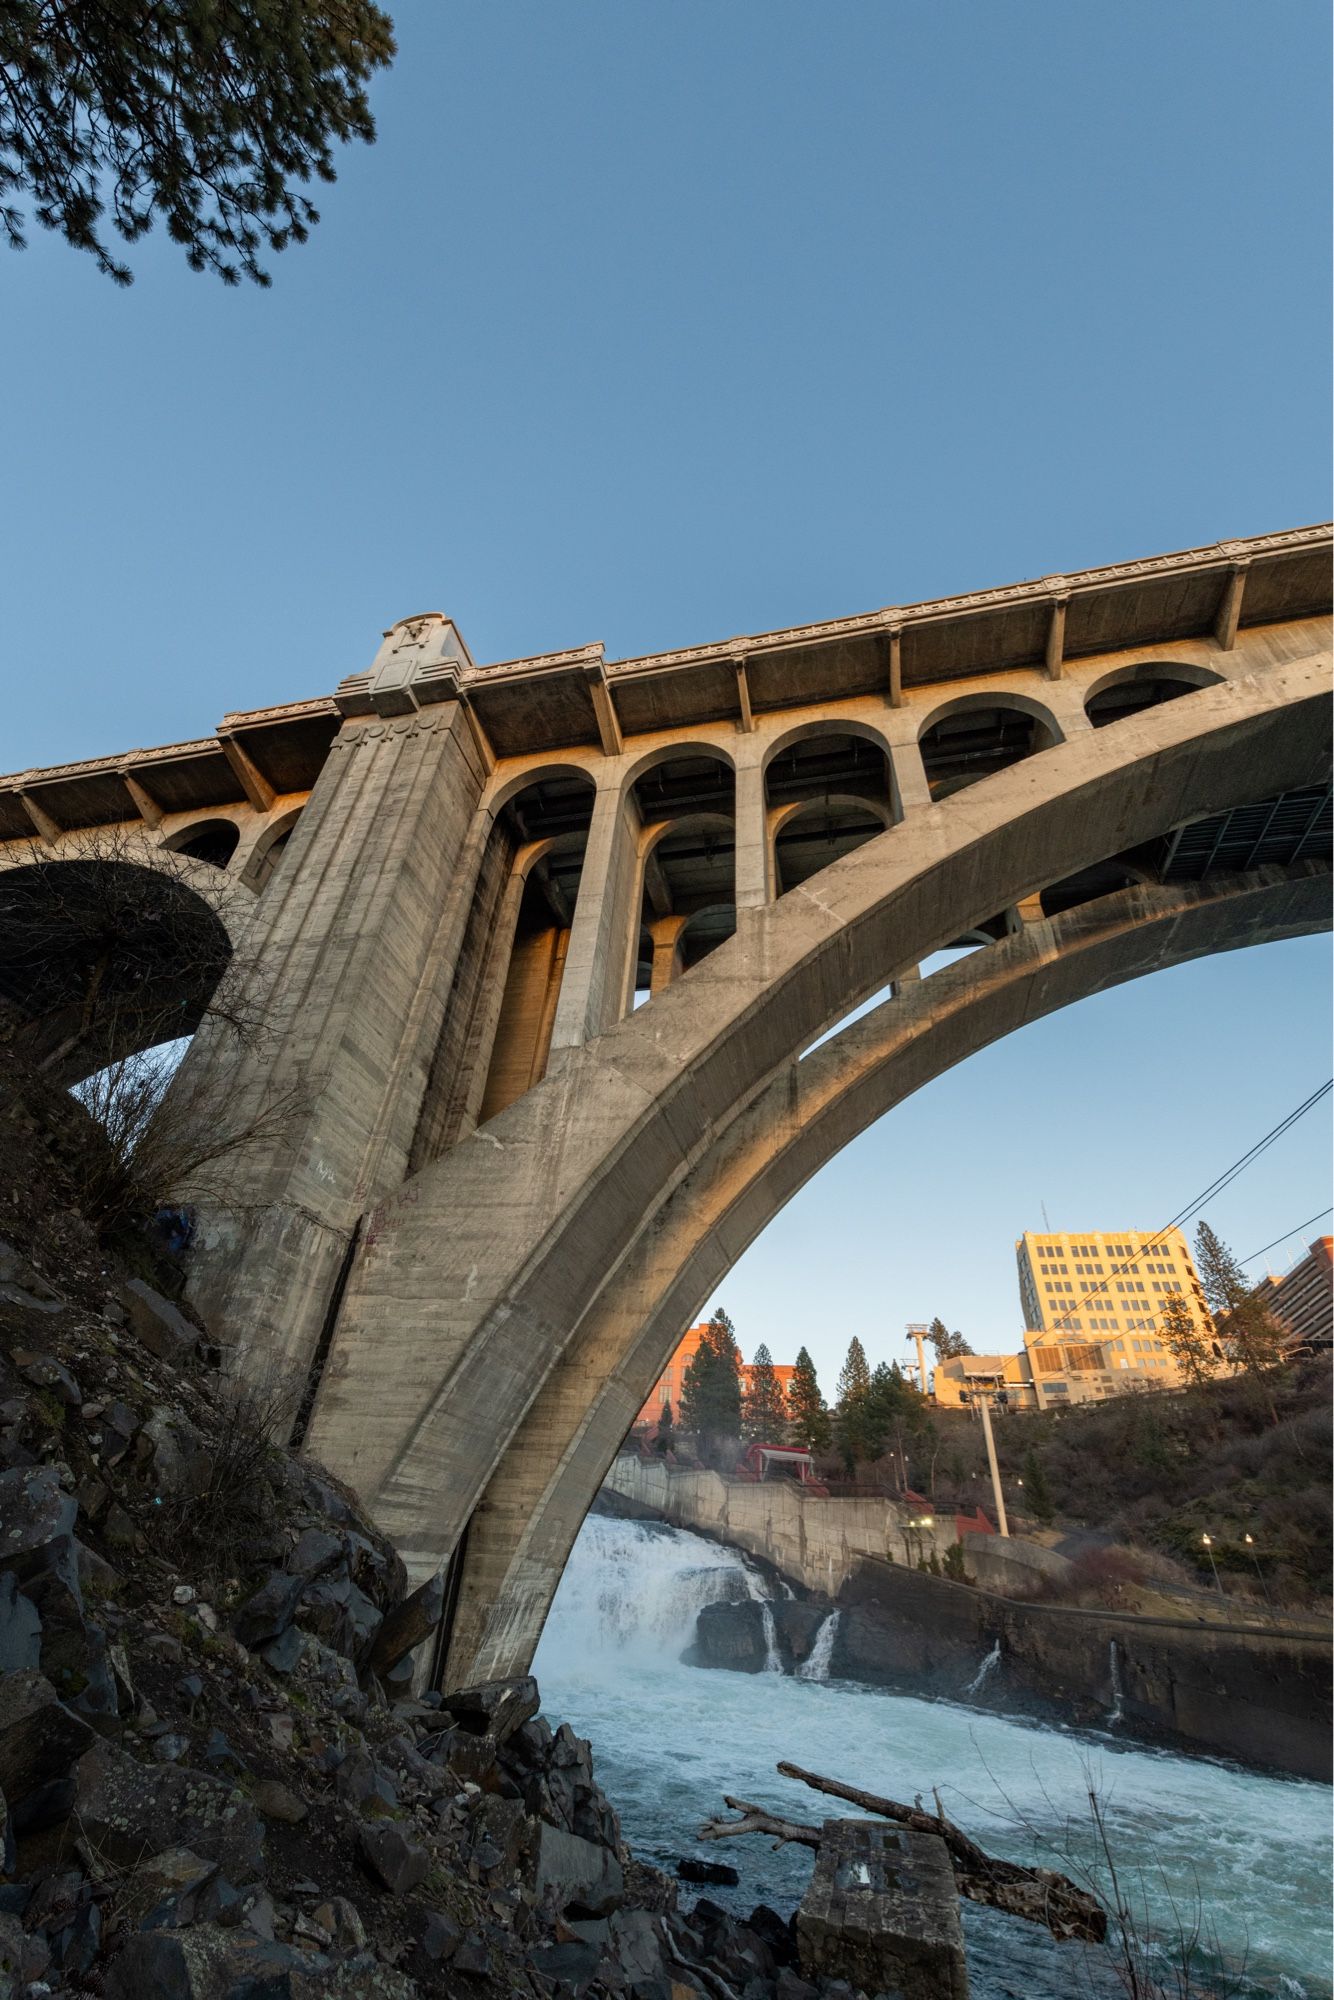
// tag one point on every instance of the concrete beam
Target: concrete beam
(747, 718)
(50, 829)
(894, 664)
(1229, 609)
(604, 708)
(147, 807)
(259, 792)
(1056, 635)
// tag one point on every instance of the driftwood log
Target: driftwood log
(1038, 1894)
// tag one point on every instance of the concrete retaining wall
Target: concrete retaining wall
(816, 1541)
(1258, 1696)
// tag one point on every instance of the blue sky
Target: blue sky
(658, 324)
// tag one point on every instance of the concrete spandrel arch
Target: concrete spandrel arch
(659, 830)
(450, 1324)
(683, 751)
(212, 840)
(260, 863)
(828, 725)
(1184, 677)
(521, 1536)
(984, 699)
(504, 788)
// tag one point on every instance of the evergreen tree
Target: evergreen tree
(949, 1346)
(1037, 1492)
(1251, 1339)
(763, 1405)
(1186, 1340)
(808, 1418)
(664, 1438)
(209, 118)
(854, 1422)
(855, 1375)
(711, 1391)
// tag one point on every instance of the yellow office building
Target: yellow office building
(1091, 1302)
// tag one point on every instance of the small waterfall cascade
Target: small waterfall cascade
(773, 1659)
(1117, 1710)
(816, 1667)
(985, 1671)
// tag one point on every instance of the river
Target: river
(1251, 1855)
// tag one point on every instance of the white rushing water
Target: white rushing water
(1251, 1852)
(816, 1668)
(985, 1671)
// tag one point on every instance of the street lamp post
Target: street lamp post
(1209, 1551)
(1250, 1544)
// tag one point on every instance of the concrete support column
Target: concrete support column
(606, 930)
(754, 854)
(666, 935)
(337, 976)
(907, 773)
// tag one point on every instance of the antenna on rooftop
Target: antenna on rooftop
(1045, 1222)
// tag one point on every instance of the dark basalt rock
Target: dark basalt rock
(691, 1870)
(126, 1810)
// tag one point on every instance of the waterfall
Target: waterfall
(1117, 1709)
(816, 1668)
(635, 1588)
(773, 1659)
(986, 1670)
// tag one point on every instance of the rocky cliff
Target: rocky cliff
(215, 1780)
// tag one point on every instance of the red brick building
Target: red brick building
(668, 1387)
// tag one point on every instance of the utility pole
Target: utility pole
(984, 1403)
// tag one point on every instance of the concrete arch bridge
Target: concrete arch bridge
(551, 942)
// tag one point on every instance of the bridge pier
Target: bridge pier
(352, 963)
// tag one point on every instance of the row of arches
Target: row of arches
(826, 788)
(215, 842)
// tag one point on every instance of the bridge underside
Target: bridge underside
(506, 1282)
(545, 965)
(521, 1533)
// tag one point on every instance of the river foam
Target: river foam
(1252, 1852)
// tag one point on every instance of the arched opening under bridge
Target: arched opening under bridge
(102, 958)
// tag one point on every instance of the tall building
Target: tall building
(668, 1387)
(1302, 1298)
(1091, 1302)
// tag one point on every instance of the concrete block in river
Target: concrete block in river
(882, 1912)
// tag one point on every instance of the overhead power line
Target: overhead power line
(1215, 1187)
(1286, 1234)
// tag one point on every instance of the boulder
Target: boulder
(494, 1708)
(45, 1372)
(182, 1464)
(691, 1870)
(20, 1627)
(157, 1324)
(270, 1610)
(407, 1625)
(731, 1635)
(39, 1737)
(211, 1963)
(798, 1624)
(37, 1524)
(126, 1810)
(582, 1880)
(275, 1801)
(397, 1863)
